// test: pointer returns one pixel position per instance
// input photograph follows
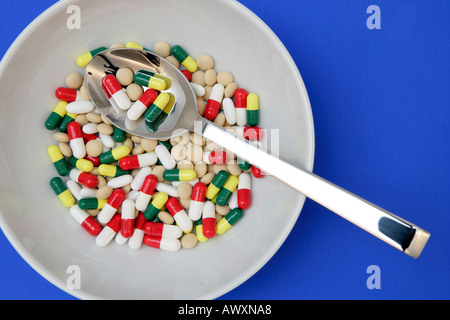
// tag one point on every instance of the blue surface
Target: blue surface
(380, 101)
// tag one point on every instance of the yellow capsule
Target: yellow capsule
(84, 59)
(222, 226)
(252, 102)
(107, 170)
(231, 183)
(67, 198)
(120, 152)
(54, 153)
(84, 165)
(162, 100)
(190, 64)
(199, 231)
(160, 200)
(61, 108)
(133, 45)
(212, 191)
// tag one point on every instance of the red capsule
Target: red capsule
(199, 192)
(66, 94)
(116, 198)
(215, 157)
(91, 226)
(257, 173)
(74, 130)
(253, 133)
(187, 74)
(127, 216)
(148, 97)
(88, 180)
(111, 84)
(95, 160)
(89, 136)
(240, 98)
(154, 228)
(115, 223)
(140, 221)
(149, 184)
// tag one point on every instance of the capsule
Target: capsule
(109, 231)
(135, 46)
(91, 203)
(149, 73)
(95, 160)
(135, 241)
(62, 192)
(229, 111)
(162, 230)
(215, 157)
(68, 118)
(121, 181)
(243, 165)
(81, 164)
(209, 220)
(197, 201)
(240, 103)
(84, 178)
(252, 109)
(149, 80)
(215, 100)
(146, 192)
(180, 175)
(227, 190)
(85, 220)
(167, 188)
(179, 214)
(257, 172)
(244, 193)
(216, 184)
(116, 91)
(229, 220)
(111, 206)
(156, 205)
(118, 135)
(155, 109)
(199, 231)
(84, 59)
(127, 218)
(138, 161)
(153, 126)
(142, 104)
(109, 170)
(165, 156)
(184, 58)
(162, 243)
(115, 154)
(68, 94)
(76, 140)
(74, 188)
(233, 202)
(56, 116)
(82, 106)
(140, 177)
(58, 160)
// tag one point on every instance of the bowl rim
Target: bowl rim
(309, 161)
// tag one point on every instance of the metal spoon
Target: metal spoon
(388, 227)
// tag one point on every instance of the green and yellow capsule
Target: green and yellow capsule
(118, 135)
(68, 118)
(167, 80)
(149, 79)
(109, 170)
(153, 126)
(229, 220)
(156, 205)
(155, 109)
(135, 45)
(84, 59)
(81, 164)
(184, 58)
(114, 154)
(58, 160)
(62, 192)
(56, 116)
(243, 165)
(199, 231)
(216, 184)
(179, 175)
(252, 109)
(92, 203)
(227, 190)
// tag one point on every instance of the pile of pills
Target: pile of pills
(166, 194)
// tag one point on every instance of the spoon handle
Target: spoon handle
(388, 227)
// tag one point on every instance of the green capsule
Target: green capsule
(157, 75)
(153, 126)
(157, 107)
(227, 190)
(62, 192)
(118, 134)
(216, 184)
(252, 109)
(109, 170)
(229, 220)
(56, 116)
(179, 175)
(81, 164)
(149, 80)
(58, 160)
(114, 154)
(184, 58)
(156, 205)
(243, 165)
(91, 203)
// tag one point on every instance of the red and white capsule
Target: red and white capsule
(76, 139)
(68, 94)
(127, 218)
(135, 242)
(215, 157)
(240, 103)
(141, 105)
(138, 161)
(116, 91)
(162, 230)
(162, 243)
(109, 231)
(179, 214)
(244, 192)
(146, 192)
(85, 178)
(197, 201)
(215, 100)
(85, 220)
(209, 219)
(114, 202)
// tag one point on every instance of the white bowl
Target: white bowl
(41, 229)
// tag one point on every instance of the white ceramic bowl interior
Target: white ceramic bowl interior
(41, 229)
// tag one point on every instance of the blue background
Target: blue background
(380, 101)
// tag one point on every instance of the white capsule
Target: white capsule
(120, 239)
(86, 192)
(135, 242)
(229, 111)
(105, 237)
(241, 116)
(195, 210)
(80, 106)
(128, 207)
(147, 159)
(209, 210)
(167, 188)
(199, 90)
(165, 157)
(170, 244)
(120, 181)
(142, 201)
(183, 221)
(140, 177)
(74, 189)
(217, 92)
(136, 110)
(105, 215)
(121, 99)
(233, 201)
(78, 214)
(78, 148)
(171, 231)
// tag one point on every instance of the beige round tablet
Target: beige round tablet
(104, 192)
(74, 80)
(117, 45)
(149, 144)
(230, 89)
(84, 93)
(173, 61)
(65, 149)
(134, 91)
(61, 137)
(158, 171)
(105, 129)
(94, 117)
(198, 77)
(189, 240)
(184, 190)
(224, 78)
(210, 77)
(194, 152)
(125, 76)
(205, 62)
(94, 148)
(179, 152)
(165, 217)
(201, 168)
(162, 48)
